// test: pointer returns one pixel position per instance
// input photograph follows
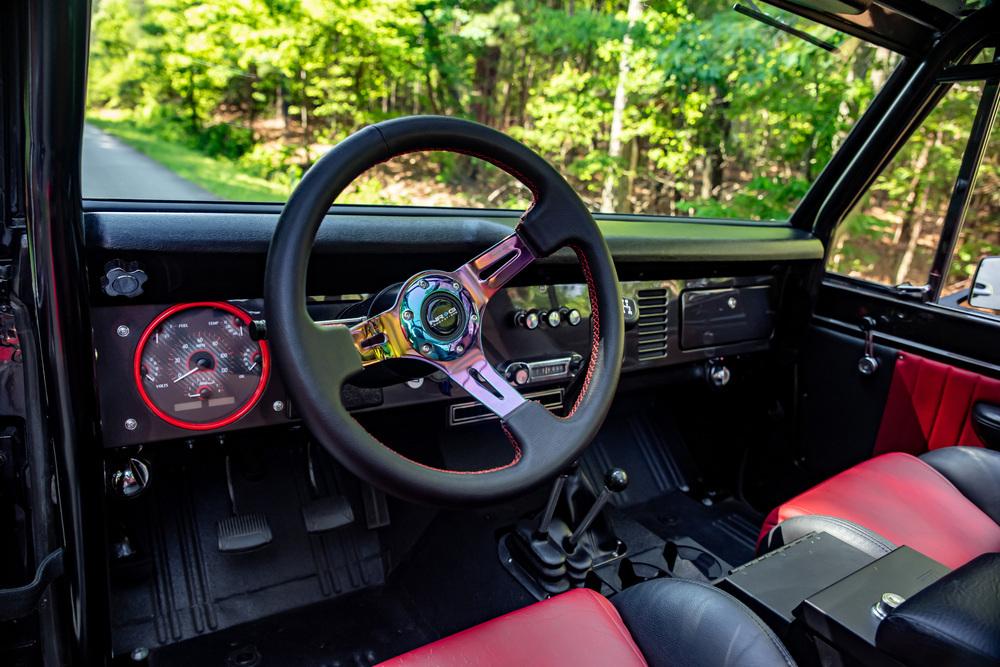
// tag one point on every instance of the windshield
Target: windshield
(677, 108)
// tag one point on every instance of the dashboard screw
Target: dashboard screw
(732, 303)
(459, 349)
(140, 654)
(425, 349)
(474, 317)
(422, 284)
(131, 424)
(278, 406)
(407, 315)
(455, 286)
(123, 331)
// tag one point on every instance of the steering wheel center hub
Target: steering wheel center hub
(439, 317)
(443, 314)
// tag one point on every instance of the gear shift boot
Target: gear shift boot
(547, 554)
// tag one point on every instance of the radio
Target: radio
(520, 373)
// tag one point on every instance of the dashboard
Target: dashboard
(172, 371)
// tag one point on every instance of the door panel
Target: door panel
(936, 365)
(930, 405)
(840, 409)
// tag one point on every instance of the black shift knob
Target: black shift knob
(616, 480)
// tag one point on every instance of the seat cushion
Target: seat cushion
(683, 623)
(905, 501)
(578, 628)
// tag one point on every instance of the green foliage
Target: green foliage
(723, 116)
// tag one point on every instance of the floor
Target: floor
(445, 573)
(452, 580)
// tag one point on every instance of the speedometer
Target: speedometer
(196, 366)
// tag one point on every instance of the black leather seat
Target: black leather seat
(682, 622)
(661, 623)
(944, 503)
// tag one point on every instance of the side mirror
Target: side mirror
(985, 292)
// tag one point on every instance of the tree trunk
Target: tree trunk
(487, 65)
(918, 211)
(192, 105)
(706, 177)
(608, 198)
(528, 73)
(280, 106)
(304, 106)
(910, 203)
(633, 166)
(906, 260)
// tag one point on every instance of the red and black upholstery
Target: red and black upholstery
(664, 622)
(930, 406)
(945, 504)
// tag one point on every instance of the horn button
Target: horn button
(443, 314)
(438, 317)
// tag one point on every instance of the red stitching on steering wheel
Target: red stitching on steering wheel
(595, 328)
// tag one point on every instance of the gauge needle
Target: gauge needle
(252, 366)
(184, 375)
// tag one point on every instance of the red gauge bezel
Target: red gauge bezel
(265, 367)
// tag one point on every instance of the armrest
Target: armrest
(975, 471)
(986, 423)
(954, 621)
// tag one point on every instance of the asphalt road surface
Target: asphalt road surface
(114, 170)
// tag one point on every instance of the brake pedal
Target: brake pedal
(244, 532)
(241, 532)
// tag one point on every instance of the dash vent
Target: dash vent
(652, 324)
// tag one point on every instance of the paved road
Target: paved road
(114, 170)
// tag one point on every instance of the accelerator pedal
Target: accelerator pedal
(323, 512)
(327, 513)
(241, 532)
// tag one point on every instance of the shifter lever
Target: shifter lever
(615, 481)
(550, 507)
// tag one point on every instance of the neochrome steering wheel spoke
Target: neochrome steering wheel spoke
(380, 337)
(492, 269)
(475, 374)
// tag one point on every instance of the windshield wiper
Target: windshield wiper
(758, 15)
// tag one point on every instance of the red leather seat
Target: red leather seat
(576, 628)
(660, 623)
(909, 502)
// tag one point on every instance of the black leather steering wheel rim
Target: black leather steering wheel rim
(315, 361)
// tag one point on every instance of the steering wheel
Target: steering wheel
(437, 317)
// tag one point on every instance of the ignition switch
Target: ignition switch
(129, 478)
(718, 373)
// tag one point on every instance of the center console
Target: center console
(833, 603)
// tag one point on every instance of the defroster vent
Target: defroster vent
(652, 324)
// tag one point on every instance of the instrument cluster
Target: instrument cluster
(197, 367)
